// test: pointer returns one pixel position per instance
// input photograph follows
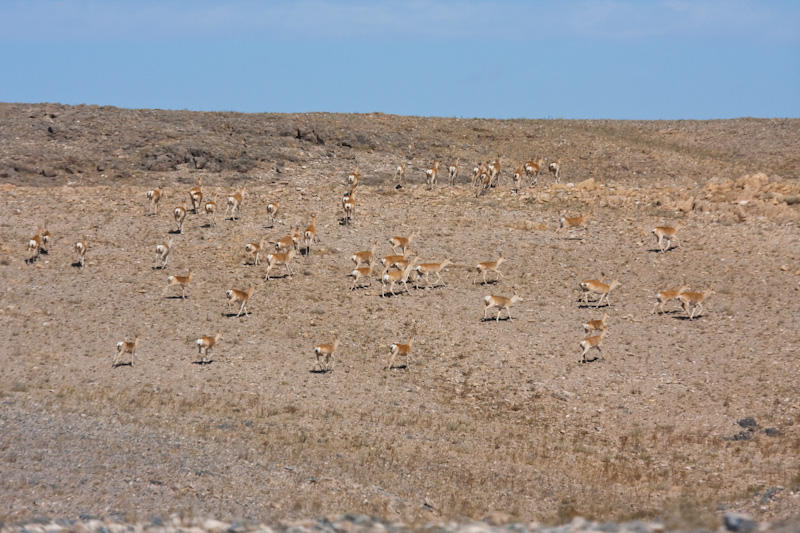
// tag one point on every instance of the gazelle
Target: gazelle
(403, 350)
(285, 243)
(349, 207)
(593, 342)
(352, 179)
(235, 296)
(516, 179)
(494, 171)
(272, 212)
(400, 173)
(196, 194)
(667, 233)
(154, 195)
(280, 258)
(80, 249)
(427, 269)
(452, 172)
(397, 276)
(183, 281)
(598, 287)
(180, 215)
(431, 174)
(35, 244)
(555, 169)
(255, 249)
(665, 296)
(325, 355)
(162, 253)
(532, 170)
(361, 272)
(574, 222)
(392, 260)
(401, 242)
(365, 256)
(235, 201)
(124, 347)
(310, 234)
(204, 344)
(500, 302)
(491, 266)
(694, 300)
(47, 238)
(210, 208)
(596, 325)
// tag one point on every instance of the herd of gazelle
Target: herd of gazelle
(485, 176)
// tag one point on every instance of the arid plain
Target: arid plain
(488, 417)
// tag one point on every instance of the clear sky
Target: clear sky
(619, 59)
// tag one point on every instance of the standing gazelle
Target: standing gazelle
(280, 258)
(532, 170)
(431, 174)
(555, 169)
(500, 302)
(310, 234)
(403, 350)
(124, 347)
(272, 212)
(325, 354)
(35, 245)
(210, 208)
(667, 233)
(235, 297)
(235, 201)
(452, 172)
(183, 281)
(400, 173)
(196, 194)
(349, 207)
(255, 249)
(154, 195)
(80, 249)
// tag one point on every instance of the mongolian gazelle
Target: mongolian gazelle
(162, 253)
(235, 297)
(452, 172)
(403, 350)
(183, 281)
(35, 245)
(280, 258)
(204, 344)
(574, 222)
(431, 174)
(397, 276)
(593, 342)
(47, 238)
(667, 233)
(124, 347)
(255, 249)
(665, 296)
(596, 325)
(310, 235)
(500, 302)
(401, 242)
(180, 215)
(235, 201)
(196, 194)
(427, 269)
(361, 272)
(285, 243)
(555, 169)
(80, 249)
(400, 173)
(210, 208)
(491, 266)
(365, 256)
(349, 207)
(325, 355)
(154, 195)
(352, 180)
(272, 212)
(516, 180)
(395, 260)
(598, 287)
(532, 169)
(694, 300)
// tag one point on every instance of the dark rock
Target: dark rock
(739, 523)
(748, 423)
(49, 172)
(771, 432)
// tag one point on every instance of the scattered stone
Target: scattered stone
(739, 523)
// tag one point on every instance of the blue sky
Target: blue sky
(619, 59)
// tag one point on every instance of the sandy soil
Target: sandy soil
(488, 416)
